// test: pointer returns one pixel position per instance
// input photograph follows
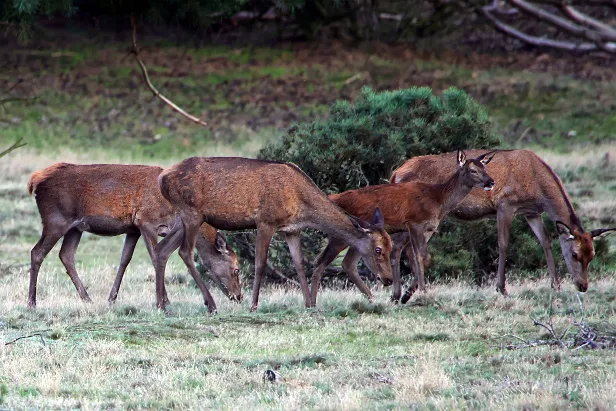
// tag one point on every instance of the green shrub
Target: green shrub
(362, 143)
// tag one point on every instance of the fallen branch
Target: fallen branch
(135, 52)
(36, 334)
(538, 41)
(596, 335)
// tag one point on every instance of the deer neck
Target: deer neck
(453, 192)
(333, 221)
(557, 205)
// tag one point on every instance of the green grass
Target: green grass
(443, 350)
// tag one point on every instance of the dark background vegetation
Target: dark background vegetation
(268, 73)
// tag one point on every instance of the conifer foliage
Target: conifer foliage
(362, 143)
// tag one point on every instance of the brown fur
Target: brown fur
(239, 193)
(113, 199)
(417, 209)
(525, 185)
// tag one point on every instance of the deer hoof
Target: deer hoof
(406, 297)
(32, 305)
(502, 290)
(254, 307)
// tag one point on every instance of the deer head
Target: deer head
(376, 246)
(473, 171)
(578, 251)
(225, 270)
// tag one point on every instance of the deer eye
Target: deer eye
(574, 255)
(236, 271)
(378, 250)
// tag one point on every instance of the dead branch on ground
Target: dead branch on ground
(589, 34)
(36, 334)
(589, 335)
(135, 52)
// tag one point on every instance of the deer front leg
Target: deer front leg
(127, 254)
(191, 230)
(504, 219)
(349, 265)
(323, 260)
(399, 241)
(536, 224)
(264, 237)
(294, 241)
(160, 255)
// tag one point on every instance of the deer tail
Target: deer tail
(41, 175)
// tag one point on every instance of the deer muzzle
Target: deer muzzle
(489, 185)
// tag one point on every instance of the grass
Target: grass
(443, 350)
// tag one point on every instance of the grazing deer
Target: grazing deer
(240, 193)
(413, 208)
(114, 199)
(525, 185)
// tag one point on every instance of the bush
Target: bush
(362, 143)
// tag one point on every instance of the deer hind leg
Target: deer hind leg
(504, 220)
(399, 241)
(191, 230)
(324, 259)
(264, 237)
(294, 241)
(67, 256)
(536, 224)
(48, 239)
(127, 254)
(349, 265)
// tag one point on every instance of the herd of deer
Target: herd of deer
(189, 201)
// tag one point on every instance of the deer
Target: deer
(109, 200)
(234, 193)
(527, 186)
(413, 208)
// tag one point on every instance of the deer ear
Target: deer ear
(220, 243)
(602, 232)
(564, 230)
(461, 158)
(377, 218)
(487, 157)
(359, 224)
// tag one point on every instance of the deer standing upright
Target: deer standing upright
(415, 208)
(114, 199)
(240, 193)
(527, 186)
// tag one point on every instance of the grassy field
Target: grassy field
(445, 350)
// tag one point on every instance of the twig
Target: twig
(281, 275)
(15, 146)
(135, 51)
(36, 334)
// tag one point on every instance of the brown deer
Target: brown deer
(114, 199)
(527, 186)
(414, 208)
(240, 193)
